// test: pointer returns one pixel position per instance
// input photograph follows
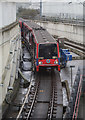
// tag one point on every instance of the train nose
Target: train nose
(47, 61)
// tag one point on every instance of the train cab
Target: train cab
(48, 55)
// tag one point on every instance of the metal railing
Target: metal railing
(76, 107)
(73, 106)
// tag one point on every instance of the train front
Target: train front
(48, 56)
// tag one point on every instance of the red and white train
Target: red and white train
(44, 48)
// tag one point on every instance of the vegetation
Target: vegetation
(27, 13)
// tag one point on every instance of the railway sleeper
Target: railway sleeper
(48, 116)
(54, 111)
(35, 101)
(55, 105)
(55, 102)
(55, 98)
(55, 92)
(55, 108)
(28, 107)
(31, 99)
(24, 118)
(26, 114)
(31, 115)
(29, 104)
(27, 110)
(32, 89)
(42, 101)
(50, 105)
(53, 115)
(36, 98)
(33, 110)
(49, 109)
(32, 94)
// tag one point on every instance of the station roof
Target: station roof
(41, 34)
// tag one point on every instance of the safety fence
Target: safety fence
(77, 90)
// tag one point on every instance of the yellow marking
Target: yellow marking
(41, 90)
(23, 42)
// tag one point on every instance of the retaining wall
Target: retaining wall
(73, 32)
(10, 47)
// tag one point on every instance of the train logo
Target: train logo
(48, 61)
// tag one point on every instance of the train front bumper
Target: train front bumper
(48, 62)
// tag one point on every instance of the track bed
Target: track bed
(46, 100)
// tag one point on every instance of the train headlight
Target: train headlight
(56, 62)
(40, 63)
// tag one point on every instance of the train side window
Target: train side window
(32, 41)
(34, 50)
(27, 37)
(33, 47)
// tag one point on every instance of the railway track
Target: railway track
(55, 105)
(76, 48)
(29, 100)
(44, 98)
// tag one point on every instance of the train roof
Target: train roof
(41, 34)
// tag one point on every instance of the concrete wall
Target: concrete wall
(10, 46)
(7, 13)
(72, 32)
(0, 15)
(5, 43)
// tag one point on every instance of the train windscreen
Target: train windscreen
(47, 51)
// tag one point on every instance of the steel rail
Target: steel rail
(33, 101)
(50, 117)
(53, 104)
(52, 100)
(26, 97)
(74, 45)
(78, 103)
(80, 50)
